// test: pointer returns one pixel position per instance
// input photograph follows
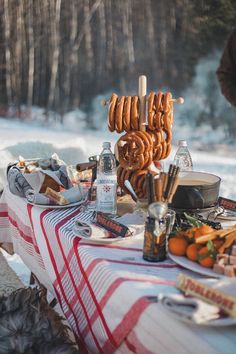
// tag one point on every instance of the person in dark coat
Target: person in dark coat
(226, 71)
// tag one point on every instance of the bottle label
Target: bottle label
(106, 197)
(111, 180)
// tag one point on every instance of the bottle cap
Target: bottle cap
(182, 143)
(106, 145)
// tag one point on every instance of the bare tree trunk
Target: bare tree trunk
(7, 52)
(37, 66)
(128, 30)
(76, 46)
(102, 47)
(45, 53)
(71, 57)
(18, 50)
(31, 56)
(88, 38)
(151, 36)
(55, 54)
(81, 34)
(110, 37)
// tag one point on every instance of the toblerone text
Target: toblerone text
(191, 286)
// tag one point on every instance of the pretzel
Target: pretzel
(134, 113)
(157, 153)
(168, 135)
(154, 110)
(111, 112)
(164, 149)
(167, 102)
(157, 138)
(136, 178)
(167, 120)
(151, 110)
(119, 114)
(127, 114)
(123, 175)
(160, 110)
(148, 143)
(138, 182)
(134, 150)
(138, 149)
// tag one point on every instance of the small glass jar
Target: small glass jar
(154, 247)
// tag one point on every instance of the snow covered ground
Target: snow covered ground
(74, 144)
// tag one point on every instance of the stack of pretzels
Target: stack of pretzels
(137, 149)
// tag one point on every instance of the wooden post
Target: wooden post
(142, 92)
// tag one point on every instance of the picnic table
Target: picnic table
(107, 292)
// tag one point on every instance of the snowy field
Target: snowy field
(208, 151)
(74, 144)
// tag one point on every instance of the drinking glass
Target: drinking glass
(170, 220)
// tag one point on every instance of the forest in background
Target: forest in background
(59, 54)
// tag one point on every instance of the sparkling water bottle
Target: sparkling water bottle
(106, 181)
(182, 157)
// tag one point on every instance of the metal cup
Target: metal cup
(157, 210)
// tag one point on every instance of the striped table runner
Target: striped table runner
(106, 291)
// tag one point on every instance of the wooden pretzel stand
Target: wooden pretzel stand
(147, 138)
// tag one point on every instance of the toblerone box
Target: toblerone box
(215, 297)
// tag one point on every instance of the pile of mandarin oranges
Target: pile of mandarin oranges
(183, 243)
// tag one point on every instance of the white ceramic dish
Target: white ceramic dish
(219, 322)
(193, 266)
(227, 216)
(46, 206)
(228, 286)
(102, 238)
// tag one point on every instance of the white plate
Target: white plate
(195, 267)
(219, 322)
(103, 238)
(227, 216)
(228, 286)
(51, 206)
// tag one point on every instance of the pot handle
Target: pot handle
(196, 197)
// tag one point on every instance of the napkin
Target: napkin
(86, 227)
(75, 194)
(189, 308)
(37, 198)
(90, 230)
(20, 183)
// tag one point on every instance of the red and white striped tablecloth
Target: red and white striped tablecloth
(106, 291)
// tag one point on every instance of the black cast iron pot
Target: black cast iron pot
(196, 190)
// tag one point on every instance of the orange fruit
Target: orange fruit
(190, 233)
(192, 251)
(177, 246)
(205, 258)
(203, 230)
